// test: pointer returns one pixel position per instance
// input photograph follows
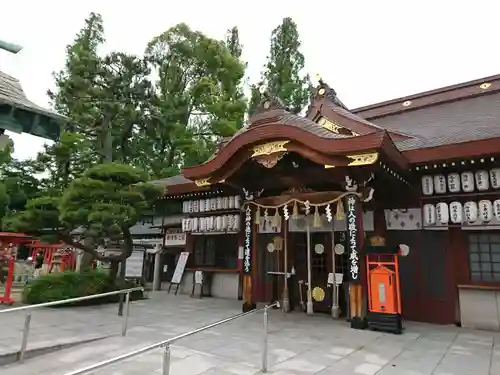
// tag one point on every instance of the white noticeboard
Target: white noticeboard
(179, 269)
(134, 264)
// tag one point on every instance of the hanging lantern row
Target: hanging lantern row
(465, 181)
(212, 204)
(225, 223)
(394, 174)
(453, 164)
(196, 194)
(470, 212)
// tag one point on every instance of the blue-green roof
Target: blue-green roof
(18, 114)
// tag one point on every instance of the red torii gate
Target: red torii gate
(49, 249)
(9, 243)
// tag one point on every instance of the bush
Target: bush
(70, 284)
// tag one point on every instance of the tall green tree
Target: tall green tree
(198, 98)
(106, 97)
(283, 72)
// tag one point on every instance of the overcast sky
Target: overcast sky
(369, 51)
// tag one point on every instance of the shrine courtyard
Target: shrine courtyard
(298, 344)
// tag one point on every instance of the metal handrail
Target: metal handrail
(70, 300)
(27, 319)
(168, 342)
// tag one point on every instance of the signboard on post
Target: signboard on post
(179, 271)
(247, 245)
(353, 233)
(175, 237)
(135, 264)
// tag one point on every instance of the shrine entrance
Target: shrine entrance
(321, 267)
(299, 177)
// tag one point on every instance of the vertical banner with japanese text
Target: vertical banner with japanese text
(247, 244)
(354, 233)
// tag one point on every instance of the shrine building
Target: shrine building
(287, 206)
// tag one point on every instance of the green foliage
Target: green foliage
(198, 99)
(104, 203)
(107, 200)
(63, 161)
(65, 285)
(283, 71)
(40, 215)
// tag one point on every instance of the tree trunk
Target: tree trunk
(86, 262)
(113, 271)
(123, 268)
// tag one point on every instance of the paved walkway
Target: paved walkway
(298, 345)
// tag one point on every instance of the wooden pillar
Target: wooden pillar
(248, 261)
(286, 297)
(355, 235)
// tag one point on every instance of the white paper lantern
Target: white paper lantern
(195, 206)
(454, 182)
(427, 185)
(496, 209)
(225, 203)
(482, 180)
(213, 204)
(237, 202)
(467, 179)
(495, 178)
(184, 225)
(237, 222)
(456, 212)
(208, 207)
(195, 224)
(224, 222)
(231, 202)
(442, 213)
(190, 207)
(218, 203)
(201, 205)
(440, 184)
(470, 211)
(485, 210)
(430, 214)
(185, 207)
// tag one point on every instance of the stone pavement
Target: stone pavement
(298, 344)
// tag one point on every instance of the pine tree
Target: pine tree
(283, 71)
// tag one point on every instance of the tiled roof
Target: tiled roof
(283, 117)
(447, 123)
(174, 180)
(11, 93)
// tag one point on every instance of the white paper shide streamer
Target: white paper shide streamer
(440, 184)
(429, 214)
(427, 185)
(456, 211)
(442, 213)
(470, 211)
(485, 210)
